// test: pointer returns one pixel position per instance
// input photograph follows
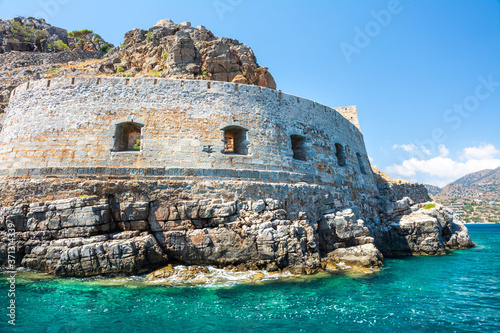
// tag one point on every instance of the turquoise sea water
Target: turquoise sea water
(459, 292)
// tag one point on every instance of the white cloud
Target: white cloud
(425, 150)
(443, 151)
(408, 148)
(484, 151)
(441, 170)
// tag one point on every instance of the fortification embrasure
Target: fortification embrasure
(85, 126)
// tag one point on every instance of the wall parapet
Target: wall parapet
(348, 112)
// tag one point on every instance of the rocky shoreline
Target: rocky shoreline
(138, 227)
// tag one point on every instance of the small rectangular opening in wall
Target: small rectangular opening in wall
(99, 81)
(72, 80)
(208, 85)
(325, 108)
(314, 104)
(235, 87)
(260, 90)
(235, 141)
(279, 94)
(27, 86)
(361, 164)
(127, 81)
(182, 83)
(14, 92)
(299, 147)
(155, 82)
(298, 100)
(48, 83)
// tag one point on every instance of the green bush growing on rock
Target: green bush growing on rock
(83, 196)
(105, 48)
(59, 45)
(52, 70)
(148, 36)
(233, 69)
(244, 73)
(165, 55)
(137, 145)
(80, 33)
(205, 73)
(120, 69)
(28, 32)
(429, 206)
(86, 36)
(155, 73)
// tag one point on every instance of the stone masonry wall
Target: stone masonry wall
(67, 126)
(350, 113)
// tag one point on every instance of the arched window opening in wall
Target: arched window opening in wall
(340, 154)
(361, 165)
(299, 147)
(128, 137)
(235, 140)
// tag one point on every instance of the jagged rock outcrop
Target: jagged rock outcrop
(36, 35)
(29, 34)
(422, 229)
(181, 51)
(136, 227)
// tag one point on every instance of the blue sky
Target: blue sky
(424, 74)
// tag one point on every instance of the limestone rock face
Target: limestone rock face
(417, 230)
(31, 49)
(181, 51)
(27, 34)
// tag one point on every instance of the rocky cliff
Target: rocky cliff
(129, 227)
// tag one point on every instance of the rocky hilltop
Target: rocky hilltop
(181, 51)
(484, 185)
(475, 196)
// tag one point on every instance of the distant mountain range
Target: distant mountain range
(484, 185)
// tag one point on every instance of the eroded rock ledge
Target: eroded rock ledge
(132, 227)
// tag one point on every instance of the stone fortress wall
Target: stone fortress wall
(70, 127)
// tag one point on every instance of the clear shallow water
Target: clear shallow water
(459, 292)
